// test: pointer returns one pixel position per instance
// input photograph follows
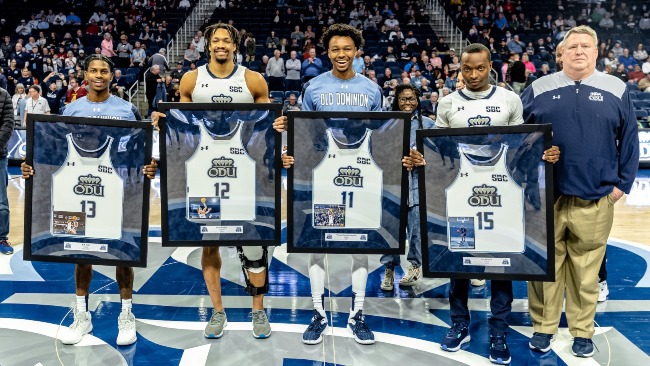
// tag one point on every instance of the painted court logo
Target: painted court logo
(89, 185)
(222, 168)
(349, 177)
(484, 195)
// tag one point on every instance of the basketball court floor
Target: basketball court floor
(172, 306)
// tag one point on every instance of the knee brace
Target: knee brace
(255, 266)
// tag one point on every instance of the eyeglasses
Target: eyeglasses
(408, 100)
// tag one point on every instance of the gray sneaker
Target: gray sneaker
(261, 325)
(215, 326)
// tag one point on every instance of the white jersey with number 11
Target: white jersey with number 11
(350, 177)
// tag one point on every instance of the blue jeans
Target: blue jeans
(4, 201)
(415, 242)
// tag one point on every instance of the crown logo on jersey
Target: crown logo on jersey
(89, 185)
(221, 98)
(485, 195)
(479, 121)
(223, 167)
(349, 177)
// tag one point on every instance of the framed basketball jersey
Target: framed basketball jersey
(220, 184)
(88, 201)
(486, 203)
(347, 189)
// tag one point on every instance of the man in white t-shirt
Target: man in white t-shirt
(35, 103)
(391, 23)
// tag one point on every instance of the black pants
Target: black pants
(276, 83)
(293, 84)
(500, 303)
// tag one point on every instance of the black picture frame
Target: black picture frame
(114, 127)
(396, 131)
(536, 261)
(180, 231)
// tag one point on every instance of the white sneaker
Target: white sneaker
(81, 325)
(389, 280)
(477, 283)
(411, 277)
(603, 291)
(126, 328)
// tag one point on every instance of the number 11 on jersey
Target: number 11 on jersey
(350, 199)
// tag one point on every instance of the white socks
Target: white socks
(359, 280)
(317, 281)
(127, 305)
(82, 304)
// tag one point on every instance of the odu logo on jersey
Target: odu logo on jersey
(479, 121)
(221, 98)
(485, 195)
(89, 185)
(349, 177)
(222, 168)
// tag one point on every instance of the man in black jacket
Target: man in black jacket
(6, 129)
(517, 71)
(151, 80)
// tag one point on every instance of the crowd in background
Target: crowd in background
(48, 48)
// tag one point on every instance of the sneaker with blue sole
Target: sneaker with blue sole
(582, 347)
(261, 325)
(499, 351)
(314, 332)
(6, 248)
(215, 326)
(358, 327)
(456, 336)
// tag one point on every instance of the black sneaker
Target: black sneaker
(582, 347)
(499, 351)
(456, 336)
(541, 342)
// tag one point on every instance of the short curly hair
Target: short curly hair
(343, 30)
(232, 31)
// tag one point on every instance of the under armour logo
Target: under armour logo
(204, 85)
(556, 96)
(97, 109)
(464, 174)
(461, 108)
(331, 155)
(344, 86)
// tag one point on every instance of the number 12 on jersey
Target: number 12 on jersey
(221, 190)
